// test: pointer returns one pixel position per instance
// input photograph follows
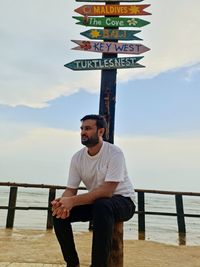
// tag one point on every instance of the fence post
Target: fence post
(52, 194)
(11, 207)
(141, 215)
(180, 213)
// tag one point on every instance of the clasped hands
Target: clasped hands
(61, 207)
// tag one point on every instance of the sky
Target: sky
(157, 117)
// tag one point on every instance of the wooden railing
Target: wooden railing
(140, 208)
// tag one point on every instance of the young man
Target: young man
(110, 197)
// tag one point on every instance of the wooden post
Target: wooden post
(107, 109)
(52, 194)
(108, 93)
(182, 239)
(180, 213)
(11, 207)
(116, 256)
(180, 219)
(141, 216)
(108, 99)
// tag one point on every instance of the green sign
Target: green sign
(111, 34)
(111, 22)
(105, 63)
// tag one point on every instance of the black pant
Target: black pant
(104, 212)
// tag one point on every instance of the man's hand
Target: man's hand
(61, 207)
(67, 203)
(58, 209)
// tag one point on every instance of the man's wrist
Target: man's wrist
(74, 201)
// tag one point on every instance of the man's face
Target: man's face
(89, 133)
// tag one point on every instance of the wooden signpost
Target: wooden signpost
(108, 17)
(111, 16)
(112, 10)
(111, 22)
(105, 63)
(110, 47)
(111, 34)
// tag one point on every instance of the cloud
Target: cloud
(172, 36)
(32, 154)
(192, 73)
(35, 44)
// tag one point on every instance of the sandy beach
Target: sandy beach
(33, 246)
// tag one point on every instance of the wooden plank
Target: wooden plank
(111, 22)
(83, 188)
(105, 63)
(110, 47)
(112, 10)
(111, 34)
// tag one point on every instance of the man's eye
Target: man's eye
(86, 128)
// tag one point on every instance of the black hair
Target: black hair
(100, 120)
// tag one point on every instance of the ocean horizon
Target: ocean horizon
(162, 229)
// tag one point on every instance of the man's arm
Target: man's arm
(69, 192)
(103, 191)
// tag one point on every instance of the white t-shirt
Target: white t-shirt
(108, 165)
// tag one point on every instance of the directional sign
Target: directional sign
(109, 0)
(111, 22)
(105, 63)
(110, 47)
(111, 34)
(112, 10)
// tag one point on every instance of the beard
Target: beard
(90, 141)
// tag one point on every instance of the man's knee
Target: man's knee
(102, 207)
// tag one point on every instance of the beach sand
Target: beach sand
(33, 246)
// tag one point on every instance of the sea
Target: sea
(163, 229)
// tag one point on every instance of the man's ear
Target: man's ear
(101, 131)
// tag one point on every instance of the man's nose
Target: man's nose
(82, 131)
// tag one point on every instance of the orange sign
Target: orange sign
(114, 10)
